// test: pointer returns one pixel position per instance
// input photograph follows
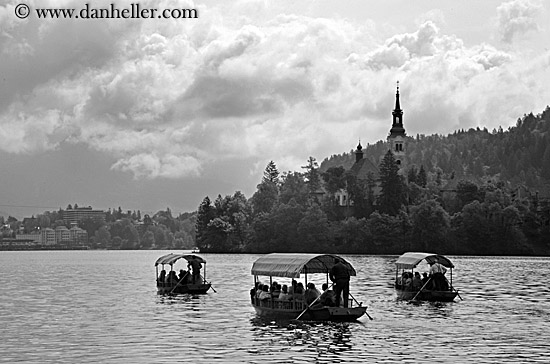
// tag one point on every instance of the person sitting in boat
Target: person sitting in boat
(417, 281)
(264, 293)
(275, 290)
(182, 277)
(406, 281)
(254, 291)
(311, 293)
(399, 280)
(298, 294)
(328, 297)
(172, 278)
(291, 293)
(284, 295)
(161, 278)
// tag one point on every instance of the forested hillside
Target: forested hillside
(472, 192)
(517, 156)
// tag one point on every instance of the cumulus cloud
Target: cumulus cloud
(167, 99)
(516, 18)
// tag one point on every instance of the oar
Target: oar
(421, 289)
(212, 288)
(178, 283)
(360, 305)
(311, 304)
(458, 294)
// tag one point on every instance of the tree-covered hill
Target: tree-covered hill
(517, 156)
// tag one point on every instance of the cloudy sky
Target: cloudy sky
(148, 114)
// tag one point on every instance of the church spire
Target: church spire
(397, 126)
(397, 106)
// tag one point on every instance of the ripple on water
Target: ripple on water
(96, 306)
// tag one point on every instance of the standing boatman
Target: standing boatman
(339, 274)
(196, 267)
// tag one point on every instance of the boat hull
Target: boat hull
(184, 289)
(320, 313)
(427, 295)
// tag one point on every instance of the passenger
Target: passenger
(400, 281)
(182, 276)
(259, 290)
(284, 295)
(425, 278)
(417, 281)
(291, 293)
(299, 292)
(264, 293)
(340, 276)
(161, 278)
(311, 294)
(172, 278)
(254, 290)
(276, 290)
(328, 297)
(407, 285)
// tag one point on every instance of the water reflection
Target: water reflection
(327, 339)
(503, 317)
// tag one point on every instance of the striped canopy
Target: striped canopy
(172, 258)
(291, 265)
(411, 259)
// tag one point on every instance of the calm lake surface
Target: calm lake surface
(102, 307)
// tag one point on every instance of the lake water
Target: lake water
(102, 307)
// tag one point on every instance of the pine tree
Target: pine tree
(271, 173)
(392, 194)
(313, 177)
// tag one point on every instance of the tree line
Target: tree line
(468, 193)
(122, 229)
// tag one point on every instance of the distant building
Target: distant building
(76, 215)
(36, 237)
(78, 236)
(48, 236)
(62, 235)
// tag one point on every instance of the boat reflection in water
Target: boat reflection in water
(329, 338)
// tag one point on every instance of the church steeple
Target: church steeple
(359, 152)
(397, 126)
(397, 137)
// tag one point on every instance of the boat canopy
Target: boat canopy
(291, 265)
(172, 258)
(411, 259)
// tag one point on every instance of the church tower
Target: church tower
(397, 136)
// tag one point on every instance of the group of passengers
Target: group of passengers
(294, 292)
(434, 281)
(189, 276)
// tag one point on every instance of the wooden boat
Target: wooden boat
(185, 284)
(443, 291)
(291, 266)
